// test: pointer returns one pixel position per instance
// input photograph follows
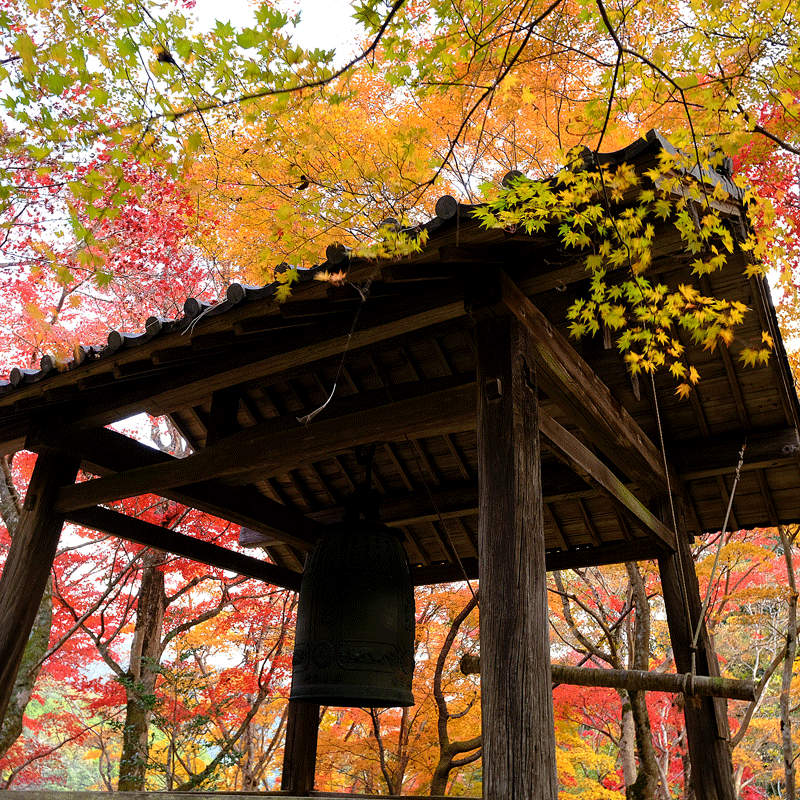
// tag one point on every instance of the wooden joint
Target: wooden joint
(529, 375)
(223, 417)
(483, 295)
(493, 389)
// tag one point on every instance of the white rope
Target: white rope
(704, 609)
(190, 326)
(363, 290)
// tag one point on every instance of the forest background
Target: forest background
(142, 163)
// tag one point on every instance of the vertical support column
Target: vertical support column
(300, 751)
(29, 562)
(706, 717)
(519, 758)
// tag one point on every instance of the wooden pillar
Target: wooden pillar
(706, 718)
(300, 751)
(29, 562)
(519, 753)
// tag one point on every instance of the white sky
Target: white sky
(325, 24)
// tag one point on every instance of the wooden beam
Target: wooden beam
(609, 553)
(222, 421)
(516, 698)
(707, 458)
(583, 397)
(28, 565)
(262, 452)
(149, 535)
(105, 451)
(567, 448)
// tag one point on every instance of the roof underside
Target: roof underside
(398, 346)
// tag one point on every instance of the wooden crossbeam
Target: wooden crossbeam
(602, 555)
(267, 450)
(460, 499)
(720, 455)
(145, 533)
(261, 451)
(567, 448)
(105, 451)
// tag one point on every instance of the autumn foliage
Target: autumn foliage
(142, 163)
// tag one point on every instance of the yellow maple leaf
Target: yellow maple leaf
(336, 278)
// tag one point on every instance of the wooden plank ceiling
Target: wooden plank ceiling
(390, 358)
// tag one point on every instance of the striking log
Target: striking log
(516, 698)
(638, 679)
(29, 562)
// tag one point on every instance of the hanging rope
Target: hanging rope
(681, 573)
(704, 609)
(363, 290)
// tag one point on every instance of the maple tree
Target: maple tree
(440, 94)
(138, 148)
(63, 290)
(749, 620)
(124, 621)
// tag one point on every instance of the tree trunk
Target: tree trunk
(142, 673)
(449, 750)
(647, 779)
(627, 742)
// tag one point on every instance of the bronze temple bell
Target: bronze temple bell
(354, 641)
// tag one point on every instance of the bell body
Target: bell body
(354, 641)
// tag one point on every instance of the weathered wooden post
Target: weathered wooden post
(706, 720)
(300, 750)
(29, 562)
(519, 758)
